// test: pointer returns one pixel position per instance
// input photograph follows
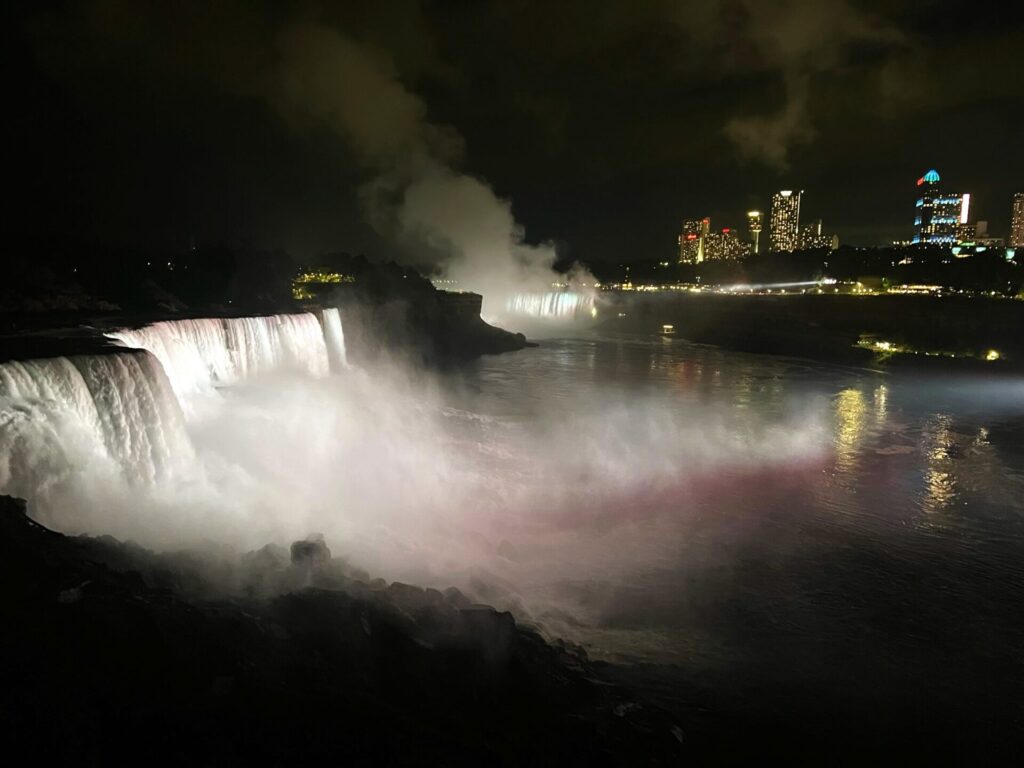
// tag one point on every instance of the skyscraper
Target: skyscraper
(814, 237)
(938, 214)
(697, 243)
(693, 240)
(1017, 222)
(725, 244)
(754, 227)
(785, 223)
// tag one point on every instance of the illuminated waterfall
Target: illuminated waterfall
(57, 413)
(334, 338)
(200, 354)
(552, 305)
(128, 409)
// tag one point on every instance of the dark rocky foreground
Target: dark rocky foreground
(112, 653)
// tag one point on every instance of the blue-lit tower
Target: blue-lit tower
(937, 214)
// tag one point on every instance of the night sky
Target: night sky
(604, 123)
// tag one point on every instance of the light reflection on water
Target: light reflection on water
(898, 558)
(851, 421)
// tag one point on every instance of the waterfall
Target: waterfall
(60, 413)
(552, 305)
(128, 410)
(201, 354)
(334, 338)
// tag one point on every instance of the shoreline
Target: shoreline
(947, 335)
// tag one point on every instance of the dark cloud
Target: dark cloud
(603, 123)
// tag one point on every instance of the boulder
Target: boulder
(311, 553)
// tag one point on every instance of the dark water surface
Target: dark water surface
(839, 545)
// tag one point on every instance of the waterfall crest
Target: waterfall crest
(201, 354)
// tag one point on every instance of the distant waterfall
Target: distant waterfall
(57, 413)
(552, 305)
(200, 354)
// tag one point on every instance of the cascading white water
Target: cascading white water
(60, 413)
(200, 354)
(553, 305)
(334, 338)
(63, 417)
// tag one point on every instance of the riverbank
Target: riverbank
(918, 332)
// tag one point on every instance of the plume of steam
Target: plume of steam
(417, 195)
(323, 75)
(797, 39)
(768, 138)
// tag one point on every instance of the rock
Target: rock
(487, 631)
(456, 599)
(270, 557)
(407, 598)
(72, 595)
(99, 661)
(311, 553)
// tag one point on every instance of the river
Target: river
(842, 537)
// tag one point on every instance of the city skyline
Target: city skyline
(940, 217)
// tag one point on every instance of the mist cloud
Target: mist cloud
(412, 476)
(795, 40)
(418, 196)
(314, 74)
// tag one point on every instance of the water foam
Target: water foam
(127, 412)
(59, 413)
(201, 354)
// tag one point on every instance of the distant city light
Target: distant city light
(749, 287)
(304, 284)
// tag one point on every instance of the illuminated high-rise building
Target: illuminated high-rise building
(1017, 222)
(814, 237)
(754, 228)
(698, 243)
(938, 215)
(725, 244)
(693, 240)
(966, 233)
(784, 228)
